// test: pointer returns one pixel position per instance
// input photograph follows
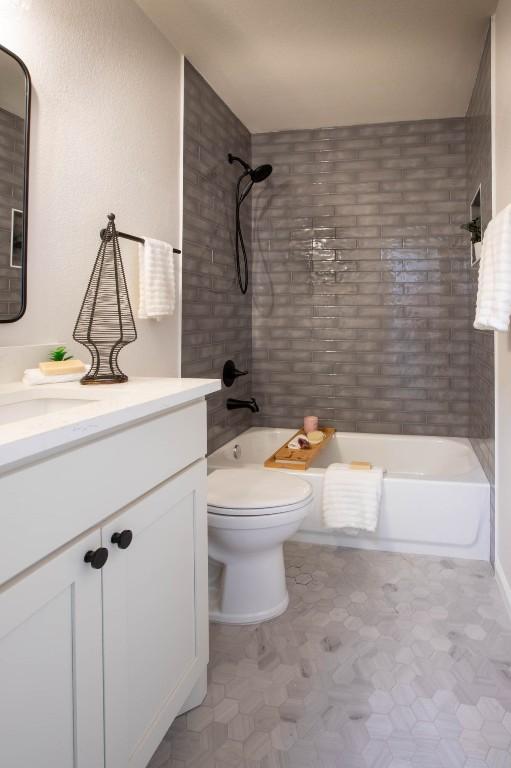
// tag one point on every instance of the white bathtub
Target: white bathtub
(436, 498)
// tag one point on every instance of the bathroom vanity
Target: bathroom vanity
(103, 569)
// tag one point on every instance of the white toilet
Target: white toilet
(251, 512)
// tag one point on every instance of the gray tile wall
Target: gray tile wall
(363, 298)
(479, 171)
(216, 317)
(11, 196)
(362, 292)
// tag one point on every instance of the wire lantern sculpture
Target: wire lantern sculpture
(105, 323)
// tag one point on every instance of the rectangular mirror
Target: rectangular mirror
(14, 147)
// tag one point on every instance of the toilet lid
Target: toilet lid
(240, 490)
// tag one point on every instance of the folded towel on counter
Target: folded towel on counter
(157, 283)
(351, 497)
(494, 286)
(34, 377)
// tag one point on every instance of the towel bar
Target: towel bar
(132, 237)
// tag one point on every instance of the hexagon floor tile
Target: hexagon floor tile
(381, 661)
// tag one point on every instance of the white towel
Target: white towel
(157, 282)
(351, 497)
(34, 376)
(494, 287)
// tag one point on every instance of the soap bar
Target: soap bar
(61, 367)
(315, 438)
(360, 465)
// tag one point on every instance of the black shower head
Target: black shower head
(256, 174)
(260, 173)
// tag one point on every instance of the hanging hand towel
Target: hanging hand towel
(351, 497)
(156, 280)
(493, 306)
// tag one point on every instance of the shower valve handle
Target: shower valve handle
(230, 373)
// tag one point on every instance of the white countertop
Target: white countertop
(112, 406)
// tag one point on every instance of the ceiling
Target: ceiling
(288, 64)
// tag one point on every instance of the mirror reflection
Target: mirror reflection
(14, 107)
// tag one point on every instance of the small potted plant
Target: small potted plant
(59, 354)
(474, 227)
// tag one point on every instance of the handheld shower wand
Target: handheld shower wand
(256, 175)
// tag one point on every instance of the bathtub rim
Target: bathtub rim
(476, 476)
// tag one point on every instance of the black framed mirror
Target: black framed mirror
(14, 152)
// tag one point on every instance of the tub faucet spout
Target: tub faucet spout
(233, 404)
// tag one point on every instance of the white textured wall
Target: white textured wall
(106, 136)
(502, 192)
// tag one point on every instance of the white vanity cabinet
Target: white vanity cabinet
(155, 616)
(97, 656)
(51, 679)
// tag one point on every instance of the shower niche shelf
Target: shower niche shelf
(475, 212)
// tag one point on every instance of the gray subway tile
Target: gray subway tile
(360, 272)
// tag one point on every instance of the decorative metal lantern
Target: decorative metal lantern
(105, 323)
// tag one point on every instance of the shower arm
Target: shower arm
(234, 158)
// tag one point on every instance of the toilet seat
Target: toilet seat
(255, 492)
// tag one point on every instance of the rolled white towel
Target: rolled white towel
(34, 377)
(352, 497)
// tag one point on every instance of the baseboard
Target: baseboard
(503, 585)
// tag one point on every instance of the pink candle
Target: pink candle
(310, 423)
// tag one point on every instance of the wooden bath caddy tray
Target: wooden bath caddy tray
(298, 458)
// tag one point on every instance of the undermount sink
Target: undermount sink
(29, 407)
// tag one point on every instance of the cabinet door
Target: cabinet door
(51, 710)
(155, 615)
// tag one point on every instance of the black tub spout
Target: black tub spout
(233, 404)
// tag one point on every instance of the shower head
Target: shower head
(260, 173)
(256, 174)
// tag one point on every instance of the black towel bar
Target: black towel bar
(134, 238)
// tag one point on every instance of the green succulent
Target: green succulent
(474, 227)
(58, 354)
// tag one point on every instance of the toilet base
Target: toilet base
(218, 617)
(251, 586)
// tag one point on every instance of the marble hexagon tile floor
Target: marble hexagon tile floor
(381, 661)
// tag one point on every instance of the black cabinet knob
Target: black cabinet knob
(97, 558)
(123, 539)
